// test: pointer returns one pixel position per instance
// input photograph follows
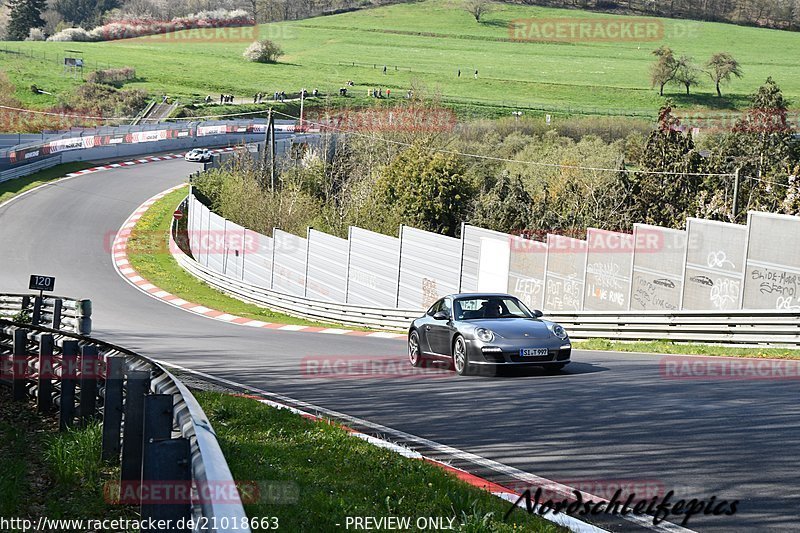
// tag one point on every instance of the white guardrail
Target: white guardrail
(774, 328)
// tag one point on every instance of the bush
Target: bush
(127, 27)
(36, 34)
(264, 51)
(112, 76)
(72, 34)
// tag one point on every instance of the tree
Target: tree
(24, 15)
(666, 199)
(721, 67)
(687, 74)
(84, 13)
(507, 206)
(424, 189)
(663, 70)
(478, 8)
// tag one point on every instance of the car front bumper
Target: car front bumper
(559, 352)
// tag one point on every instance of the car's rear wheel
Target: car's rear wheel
(460, 357)
(414, 351)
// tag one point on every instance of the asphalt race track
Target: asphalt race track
(609, 418)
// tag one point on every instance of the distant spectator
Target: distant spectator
(316, 92)
(476, 74)
(388, 93)
(459, 73)
(222, 99)
(384, 69)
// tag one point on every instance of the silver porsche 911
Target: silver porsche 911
(487, 329)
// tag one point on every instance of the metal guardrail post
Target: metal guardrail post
(137, 384)
(69, 372)
(44, 391)
(19, 364)
(36, 317)
(58, 304)
(90, 370)
(83, 317)
(112, 408)
(168, 461)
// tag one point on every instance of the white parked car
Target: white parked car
(199, 155)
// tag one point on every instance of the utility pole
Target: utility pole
(272, 149)
(736, 193)
(302, 100)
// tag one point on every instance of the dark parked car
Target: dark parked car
(487, 329)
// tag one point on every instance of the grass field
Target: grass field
(315, 474)
(424, 44)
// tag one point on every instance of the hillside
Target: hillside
(424, 44)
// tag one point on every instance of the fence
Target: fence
(126, 141)
(151, 424)
(56, 312)
(780, 328)
(711, 266)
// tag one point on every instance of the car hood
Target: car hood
(514, 328)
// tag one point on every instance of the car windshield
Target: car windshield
(483, 307)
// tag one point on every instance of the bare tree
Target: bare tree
(478, 8)
(687, 74)
(663, 70)
(721, 67)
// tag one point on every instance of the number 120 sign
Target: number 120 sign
(42, 283)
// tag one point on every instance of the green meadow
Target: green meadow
(423, 45)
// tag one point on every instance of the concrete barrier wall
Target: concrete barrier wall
(715, 262)
(609, 264)
(772, 278)
(429, 267)
(658, 259)
(710, 266)
(564, 276)
(526, 269)
(374, 268)
(327, 267)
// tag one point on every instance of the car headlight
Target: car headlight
(486, 335)
(559, 331)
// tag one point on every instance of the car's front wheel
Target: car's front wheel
(460, 357)
(414, 351)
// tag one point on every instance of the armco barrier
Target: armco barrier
(56, 312)
(128, 141)
(151, 423)
(776, 328)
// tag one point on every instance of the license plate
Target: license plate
(533, 352)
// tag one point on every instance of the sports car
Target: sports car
(198, 155)
(472, 330)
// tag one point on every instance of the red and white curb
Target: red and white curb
(281, 402)
(133, 162)
(119, 252)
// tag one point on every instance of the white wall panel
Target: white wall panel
(374, 268)
(289, 263)
(470, 262)
(327, 267)
(429, 267)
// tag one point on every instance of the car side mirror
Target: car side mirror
(441, 315)
(537, 313)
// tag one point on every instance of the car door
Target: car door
(439, 330)
(425, 327)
